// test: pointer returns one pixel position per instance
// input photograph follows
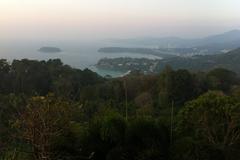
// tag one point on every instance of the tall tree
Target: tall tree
(43, 119)
(213, 119)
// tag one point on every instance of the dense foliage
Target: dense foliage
(50, 111)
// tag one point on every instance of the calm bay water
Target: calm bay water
(82, 55)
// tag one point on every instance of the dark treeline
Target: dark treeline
(41, 77)
(50, 111)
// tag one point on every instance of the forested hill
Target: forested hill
(41, 77)
(50, 111)
(228, 60)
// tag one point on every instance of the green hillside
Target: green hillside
(228, 60)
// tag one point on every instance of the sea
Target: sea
(80, 55)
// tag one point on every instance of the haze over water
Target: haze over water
(81, 27)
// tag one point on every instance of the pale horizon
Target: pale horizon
(95, 19)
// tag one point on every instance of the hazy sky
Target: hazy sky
(80, 19)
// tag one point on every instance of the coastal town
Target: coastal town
(128, 64)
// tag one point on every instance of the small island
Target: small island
(50, 50)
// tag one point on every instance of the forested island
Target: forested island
(51, 111)
(162, 53)
(50, 50)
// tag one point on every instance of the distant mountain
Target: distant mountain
(157, 42)
(213, 44)
(226, 37)
(228, 40)
(50, 50)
